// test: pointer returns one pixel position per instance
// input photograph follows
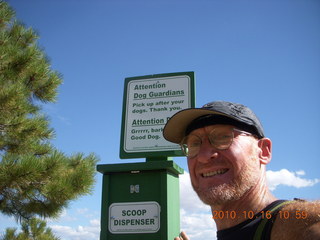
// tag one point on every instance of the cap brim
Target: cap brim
(174, 130)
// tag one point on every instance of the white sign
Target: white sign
(134, 217)
(150, 103)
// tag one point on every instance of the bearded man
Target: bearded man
(227, 154)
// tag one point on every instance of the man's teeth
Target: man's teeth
(218, 172)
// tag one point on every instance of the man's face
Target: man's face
(219, 176)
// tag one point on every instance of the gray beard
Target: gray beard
(227, 192)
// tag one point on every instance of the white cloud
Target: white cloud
(287, 178)
(91, 232)
(301, 172)
(82, 210)
(196, 218)
(198, 225)
(189, 199)
(87, 213)
(95, 222)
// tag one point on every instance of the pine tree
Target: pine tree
(33, 229)
(35, 178)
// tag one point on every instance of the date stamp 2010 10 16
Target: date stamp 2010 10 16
(262, 214)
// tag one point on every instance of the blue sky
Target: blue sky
(264, 54)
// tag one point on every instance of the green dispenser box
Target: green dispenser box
(140, 201)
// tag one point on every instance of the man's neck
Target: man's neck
(234, 212)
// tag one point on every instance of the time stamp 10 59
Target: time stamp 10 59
(282, 214)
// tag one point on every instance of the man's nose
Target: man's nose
(207, 152)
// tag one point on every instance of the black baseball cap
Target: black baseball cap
(217, 112)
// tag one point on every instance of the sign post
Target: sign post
(141, 200)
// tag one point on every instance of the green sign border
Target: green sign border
(151, 154)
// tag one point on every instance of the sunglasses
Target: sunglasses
(220, 138)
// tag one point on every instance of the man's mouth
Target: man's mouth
(215, 173)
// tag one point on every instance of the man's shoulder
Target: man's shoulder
(301, 205)
(298, 220)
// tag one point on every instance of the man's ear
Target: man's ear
(265, 153)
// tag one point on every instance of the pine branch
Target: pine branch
(35, 178)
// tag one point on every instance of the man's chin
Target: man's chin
(222, 194)
(217, 195)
